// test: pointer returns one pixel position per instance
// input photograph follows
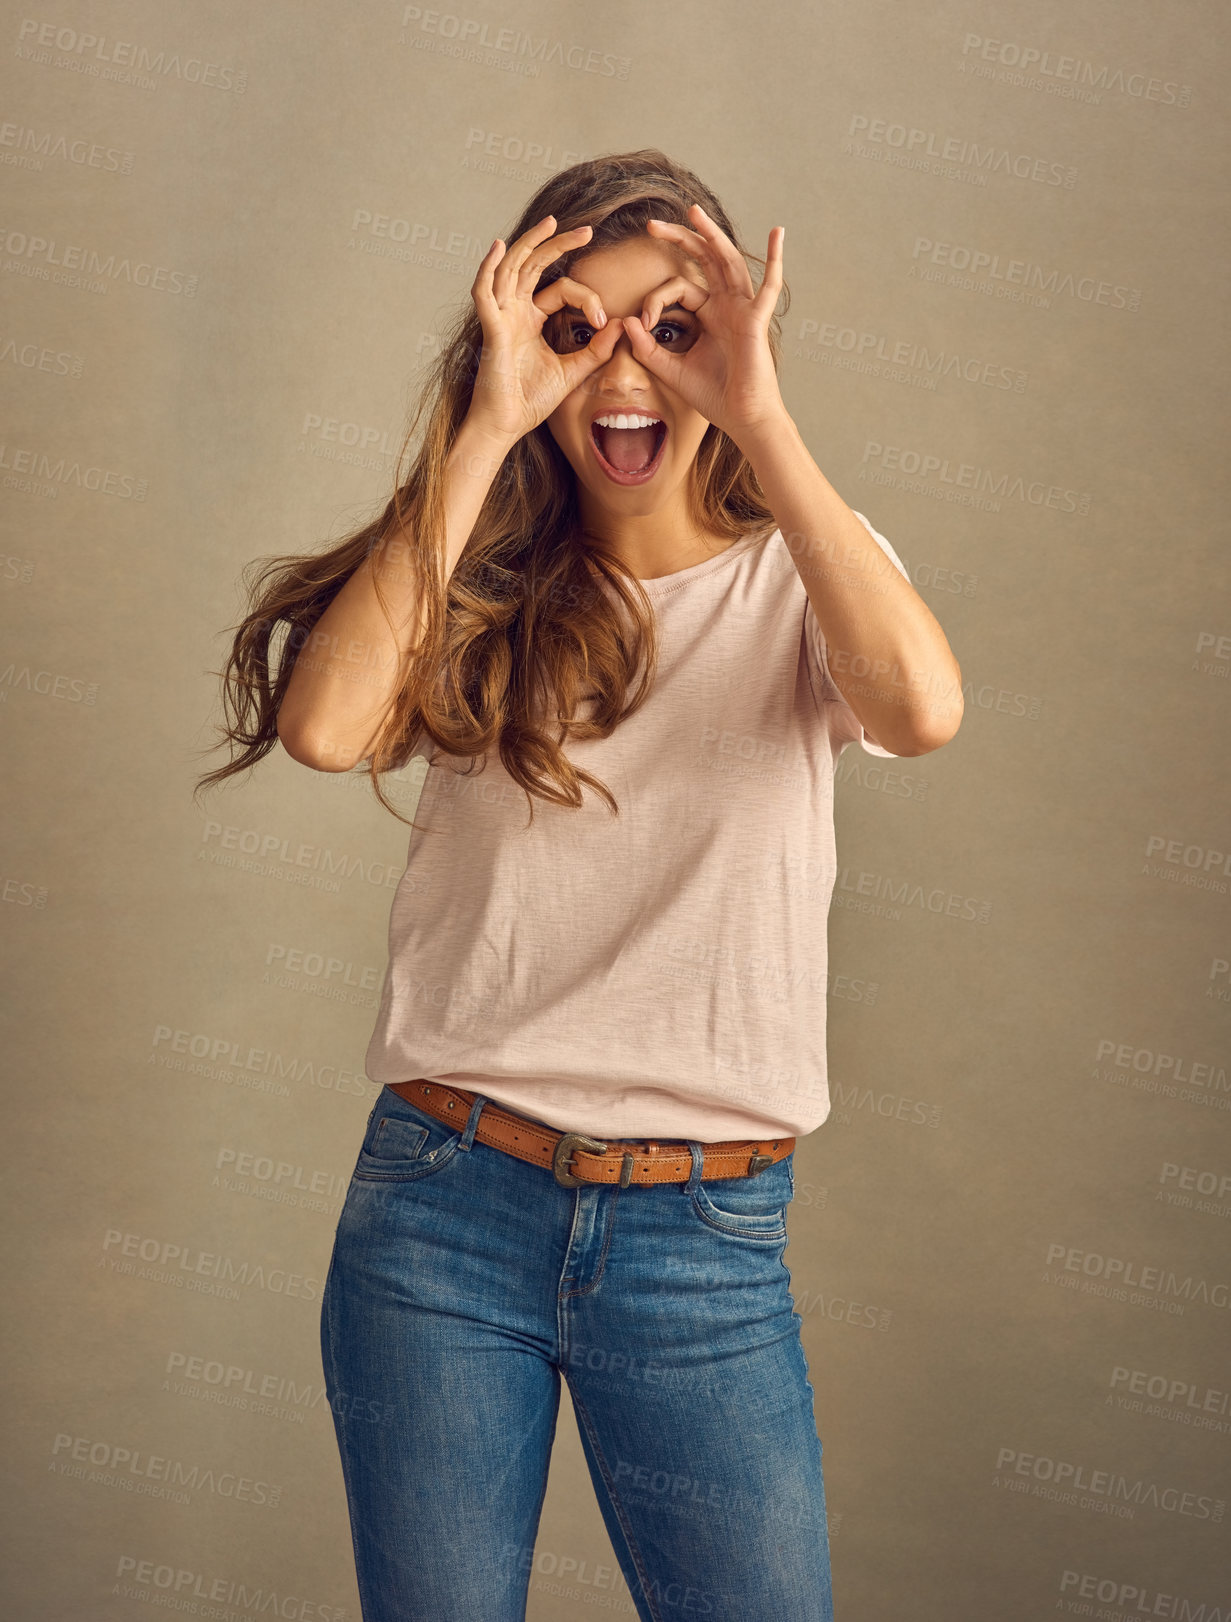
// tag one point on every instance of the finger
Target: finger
(771, 282)
(481, 287)
(732, 260)
(536, 253)
(677, 291)
(713, 248)
(547, 253)
(564, 291)
(649, 354)
(539, 245)
(515, 254)
(577, 364)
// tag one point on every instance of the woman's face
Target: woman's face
(622, 275)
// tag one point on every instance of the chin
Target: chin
(634, 501)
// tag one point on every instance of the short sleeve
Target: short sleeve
(419, 746)
(844, 725)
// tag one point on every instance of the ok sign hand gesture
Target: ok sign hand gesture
(728, 373)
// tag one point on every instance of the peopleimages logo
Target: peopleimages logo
(86, 264)
(165, 1261)
(1169, 1066)
(1136, 1599)
(1076, 71)
(1073, 1482)
(1162, 1388)
(181, 1584)
(132, 1469)
(1125, 1275)
(990, 269)
(96, 56)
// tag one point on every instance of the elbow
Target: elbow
(937, 725)
(930, 729)
(319, 755)
(935, 731)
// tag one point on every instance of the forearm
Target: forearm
(886, 652)
(352, 664)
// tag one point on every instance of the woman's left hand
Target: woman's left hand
(728, 373)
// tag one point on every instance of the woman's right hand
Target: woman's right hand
(521, 379)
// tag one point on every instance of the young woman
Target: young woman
(615, 567)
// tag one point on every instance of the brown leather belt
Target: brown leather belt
(574, 1158)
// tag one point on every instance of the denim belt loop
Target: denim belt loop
(472, 1121)
(698, 1161)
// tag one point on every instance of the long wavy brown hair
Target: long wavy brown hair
(521, 616)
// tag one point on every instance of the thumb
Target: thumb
(659, 362)
(644, 348)
(649, 352)
(578, 364)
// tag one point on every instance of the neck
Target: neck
(651, 544)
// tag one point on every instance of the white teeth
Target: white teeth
(622, 419)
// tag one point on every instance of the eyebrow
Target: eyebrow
(571, 314)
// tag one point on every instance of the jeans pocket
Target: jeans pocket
(402, 1143)
(748, 1207)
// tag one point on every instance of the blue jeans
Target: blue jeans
(464, 1282)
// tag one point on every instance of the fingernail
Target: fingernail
(602, 318)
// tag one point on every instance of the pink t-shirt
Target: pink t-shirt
(662, 973)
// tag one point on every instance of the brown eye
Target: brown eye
(683, 335)
(565, 335)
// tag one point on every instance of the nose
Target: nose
(622, 368)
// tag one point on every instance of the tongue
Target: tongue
(628, 449)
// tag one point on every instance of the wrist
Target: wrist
(480, 450)
(768, 431)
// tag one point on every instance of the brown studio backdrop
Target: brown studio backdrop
(229, 241)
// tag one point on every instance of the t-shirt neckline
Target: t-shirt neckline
(663, 583)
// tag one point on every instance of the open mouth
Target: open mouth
(628, 455)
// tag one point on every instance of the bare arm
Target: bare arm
(888, 656)
(348, 672)
(872, 619)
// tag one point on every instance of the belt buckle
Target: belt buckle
(758, 1164)
(562, 1158)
